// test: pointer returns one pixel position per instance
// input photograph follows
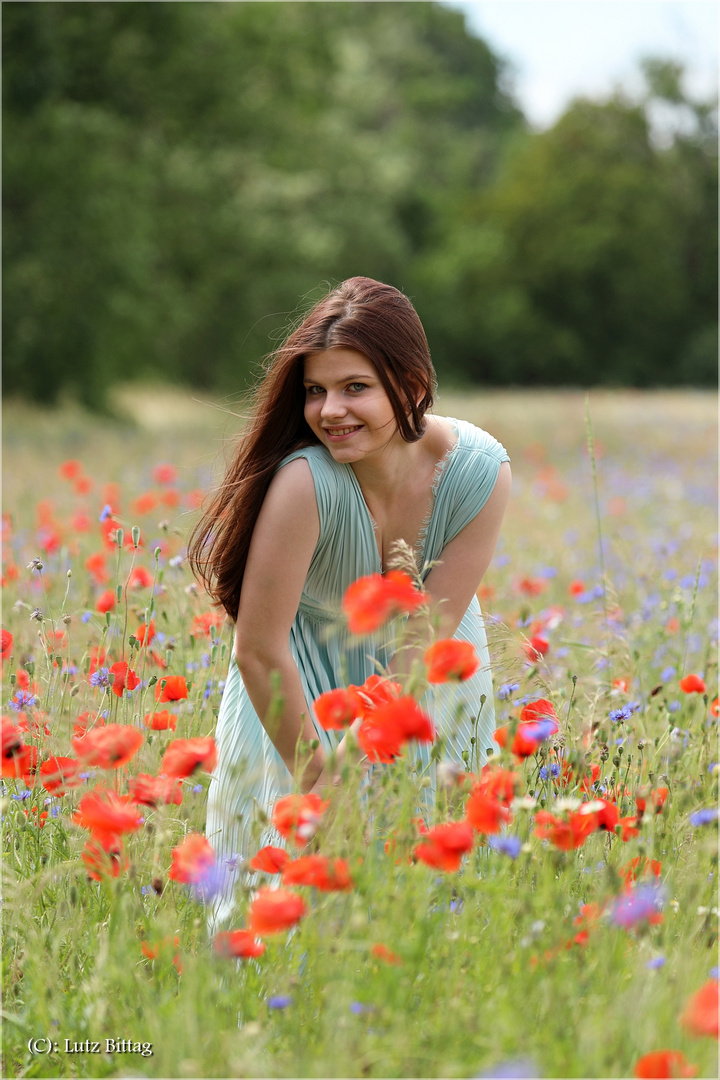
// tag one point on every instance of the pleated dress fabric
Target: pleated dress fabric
(251, 775)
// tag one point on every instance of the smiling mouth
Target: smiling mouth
(335, 433)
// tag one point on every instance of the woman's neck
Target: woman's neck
(401, 465)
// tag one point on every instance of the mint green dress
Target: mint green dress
(250, 774)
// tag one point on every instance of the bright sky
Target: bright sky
(559, 49)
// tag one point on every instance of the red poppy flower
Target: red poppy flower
(146, 790)
(184, 756)
(59, 774)
(70, 470)
(205, 623)
(715, 707)
(296, 817)
(144, 503)
(622, 684)
(12, 742)
(536, 647)
(497, 783)
(527, 737)
(108, 747)
(531, 586)
(485, 813)
(140, 577)
(274, 910)
(663, 1063)
(565, 833)
(153, 952)
(700, 1015)
(336, 709)
(125, 678)
(103, 811)
(164, 474)
(106, 601)
(384, 730)
(450, 660)
(445, 845)
(329, 875)
(657, 797)
(81, 724)
(541, 709)
(192, 859)
(576, 587)
(237, 943)
(95, 565)
(375, 691)
(145, 631)
(692, 684)
(370, 601)
(171, 688)
(270, 860)
(381, 952)
(161, 721)
(21, 764)
(6, 643)
(639, 867)
(103, 856)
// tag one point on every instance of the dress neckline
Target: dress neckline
(439, 473)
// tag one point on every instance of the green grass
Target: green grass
(489, 972)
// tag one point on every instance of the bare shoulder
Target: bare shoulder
(296, 475)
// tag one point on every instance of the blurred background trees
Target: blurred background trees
(181, 180)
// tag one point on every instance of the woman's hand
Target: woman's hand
(331, 774)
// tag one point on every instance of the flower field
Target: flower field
(553, 915)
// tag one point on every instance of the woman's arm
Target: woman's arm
(281, 549)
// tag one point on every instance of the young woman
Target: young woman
(340, 461)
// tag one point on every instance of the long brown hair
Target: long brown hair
(374, 319)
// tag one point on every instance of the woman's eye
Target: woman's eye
(356, 387)
(313, 391)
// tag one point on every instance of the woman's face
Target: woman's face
(346, 406)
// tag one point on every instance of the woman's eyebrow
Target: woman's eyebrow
(345, 378)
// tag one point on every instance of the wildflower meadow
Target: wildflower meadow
(551, 914)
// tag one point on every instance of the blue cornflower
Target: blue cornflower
(618, 715)
(22, 699)
(655, 963)
(212, 882)
(673, 706)
(670, 574)
(106, 512)
(100, 677)
(713, 973)
(668, 673)
(704, 817)
(197, 788)
(641, 903)
(547, 572)
(501, 560)
(507, 689)
(279, 1001)
(553, 771)
(22, 795)
(506, 845)
(357, 1007)
(517, 1069)
(146, 889)
(86, 616)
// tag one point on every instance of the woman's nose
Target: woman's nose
(333, 405)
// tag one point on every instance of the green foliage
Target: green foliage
(182, 179)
